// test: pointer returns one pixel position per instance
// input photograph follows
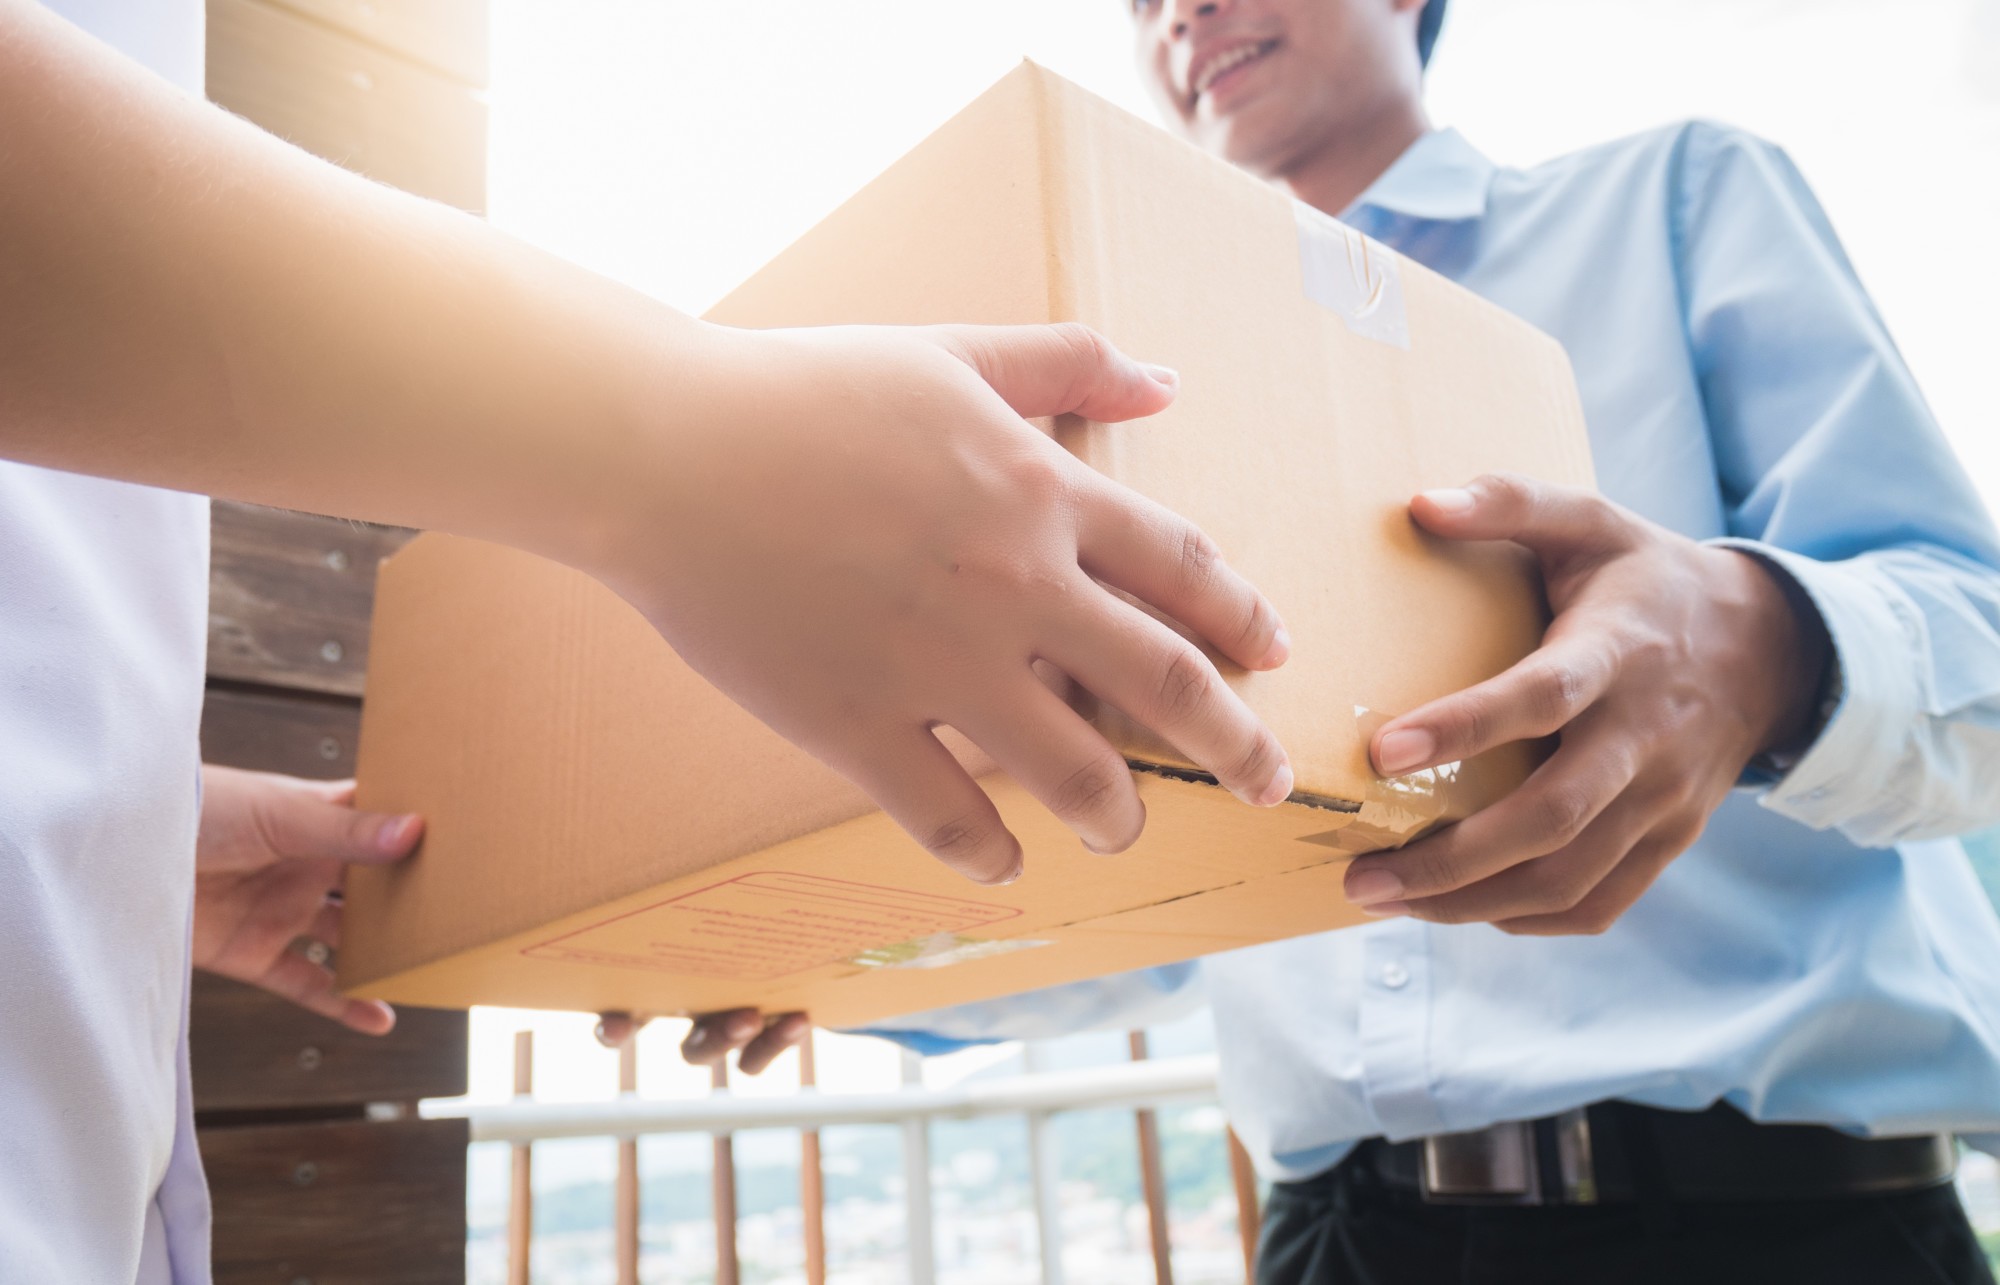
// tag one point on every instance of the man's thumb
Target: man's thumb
(1063, 369)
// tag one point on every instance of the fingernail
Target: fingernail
(1020, 867)
(744, 1025)
(1281, 649)
(1376, 888)
(696, 1037)
(1278, 790)
(394, 833)
(1451, 499)
(1165, 376)
(1405, 750)
(1385, 910)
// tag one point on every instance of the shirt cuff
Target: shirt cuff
(1874, 635)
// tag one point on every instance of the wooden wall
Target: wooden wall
(321, 1172)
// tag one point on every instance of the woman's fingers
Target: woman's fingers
(1064, 763)
(925, 790)
(1125, 657)
(1161, 558)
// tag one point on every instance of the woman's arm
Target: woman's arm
(852, 532)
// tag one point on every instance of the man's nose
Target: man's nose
(1184, 13)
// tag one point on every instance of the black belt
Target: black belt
(1616, 1152)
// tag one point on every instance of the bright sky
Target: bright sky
(678, 145)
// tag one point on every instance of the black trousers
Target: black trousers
(1344, 1228)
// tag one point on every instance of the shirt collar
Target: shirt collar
(1440, 178)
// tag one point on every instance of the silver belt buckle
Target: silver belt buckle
(1501, 1165)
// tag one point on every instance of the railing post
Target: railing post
(726, 1271)
(521, 1202)
(1044, 1179)
(1248, 1218)
(1153, 1178)
(626, 1230)
(812, 1182)
(917, 1184)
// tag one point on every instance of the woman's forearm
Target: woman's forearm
(193, 304)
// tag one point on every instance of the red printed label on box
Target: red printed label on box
(759, 926)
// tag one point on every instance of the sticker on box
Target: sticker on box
(941, 950)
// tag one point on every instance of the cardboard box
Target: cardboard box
(608, 831)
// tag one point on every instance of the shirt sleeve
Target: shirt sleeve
(1835, 472)
(1123, 1001)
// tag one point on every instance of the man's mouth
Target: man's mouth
(1211, 69)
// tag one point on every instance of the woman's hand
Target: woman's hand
(869, 542)
(269, 859)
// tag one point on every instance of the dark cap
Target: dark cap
(1427, 29)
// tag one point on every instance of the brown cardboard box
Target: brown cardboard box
(607, 831)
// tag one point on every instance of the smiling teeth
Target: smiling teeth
(1226, 62)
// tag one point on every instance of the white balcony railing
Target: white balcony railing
(1142, 1086)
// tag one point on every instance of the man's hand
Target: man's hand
(1668, 666)
(715, 1036)
(269, 859)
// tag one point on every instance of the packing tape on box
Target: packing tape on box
(1352, 276)
(1398, 808)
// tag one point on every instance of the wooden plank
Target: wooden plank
(338, 1203)
(521, 1191)
(625, 1219)
(722, 1190)
(812, 1176)
(1249, 1222)
(449, 36)
(343, 99)
(289, 597)
(302, 736)
(255, 1052)
(1152, 1176)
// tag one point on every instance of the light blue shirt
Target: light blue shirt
(1824, 953)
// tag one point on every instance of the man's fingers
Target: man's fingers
(1163, 559)
(1554, 521)
(1065, 369)
(305, 824)
(311, 986)
(1124, 656)
(925, 790)
(1063, 761)
(1550, 811)
(1542, 694)
(778, 1035)
(616, 1029)
(715, 1036)
(1611, 898)
(1552, 884)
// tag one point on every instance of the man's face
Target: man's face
(1268, 83)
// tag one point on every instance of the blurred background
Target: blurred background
(677, 146)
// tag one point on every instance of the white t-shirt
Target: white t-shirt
(103, 626)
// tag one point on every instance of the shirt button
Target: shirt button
(1394, 976)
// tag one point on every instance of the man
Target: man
(1774, 669)
(189, 307)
